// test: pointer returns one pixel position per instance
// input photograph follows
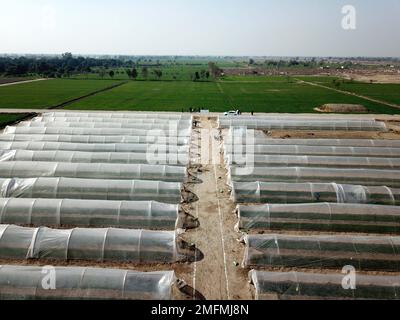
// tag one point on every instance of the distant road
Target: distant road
(20, 82)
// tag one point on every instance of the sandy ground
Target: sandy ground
(376, 78)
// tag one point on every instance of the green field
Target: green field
(250, 93)
(269, 94)
(44, 94)
(385, 92)
(9, 118)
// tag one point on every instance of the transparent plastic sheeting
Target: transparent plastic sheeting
(91, 189)
(122, 245)
(77, 283)
(117, 115)
(95, 157)
(331, 217)
(317, 161)
(89, 213)
(187, 121)
(26, 169)
(109, 125)
(316, 142)
(94, 147)
(362, 252)
(314, 286)
(98, 131)
(264, 192)
(95, 139)
(390, 178)
(304, 124)
(379, 152)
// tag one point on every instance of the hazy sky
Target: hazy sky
(199, 27)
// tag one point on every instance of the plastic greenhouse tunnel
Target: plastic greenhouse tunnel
(95, 139)
(98, 131)
(317, 161)
(100, 245)
(118, 115)
(95, 214)
(376, 253)
(240, 149)
(374, 177)
(95, 157)
(305, 124)
(26, 169)
(170, 125)
(71, 188)
(265, 192)
(72, 283)
(330, 217)
(94, 147)
(315, 286)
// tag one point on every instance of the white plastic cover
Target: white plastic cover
(89, 213)
(122, 245)
(98, 131)
(95, 139)
(390, 178)
(240, 137)
(94, 157)
(331, 217)
(315, 286)
(317, 161)
(75, 283)
(26, 169)
(67, 188)
(88, 118)
(264, 192)
(169, 125)
(240, 149)
(303, 124)
(316, 251)
(94, 147)
(117, 115)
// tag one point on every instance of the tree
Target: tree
(111, 73)
(214, 70)
(251, 61)
(134, 73)
(129, 73)
(196, 76)
(102, 72)
(145, 73)
(158, 73)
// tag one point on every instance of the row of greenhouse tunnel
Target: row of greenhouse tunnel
(98, 188)
(307, 209)
(111, 189)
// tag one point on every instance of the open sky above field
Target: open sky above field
(199, 27)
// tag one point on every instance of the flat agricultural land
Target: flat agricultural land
(385, 92)
(258, 94)
(271, 94)
(8, 118)
(45, 94)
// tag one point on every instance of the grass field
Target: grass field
(385, 92)
(44, 94)
(271, 94)
(8, 118)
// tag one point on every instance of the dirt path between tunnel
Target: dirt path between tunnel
(218, 276)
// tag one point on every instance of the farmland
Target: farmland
(247, 93)
(386, 92)
(258, 94)
(45, 94)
